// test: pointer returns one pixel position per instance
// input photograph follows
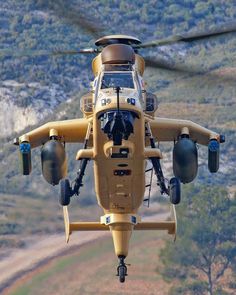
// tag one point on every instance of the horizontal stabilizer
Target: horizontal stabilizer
(161, 225)
(169, 225)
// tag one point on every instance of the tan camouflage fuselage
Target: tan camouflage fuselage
(120, 196)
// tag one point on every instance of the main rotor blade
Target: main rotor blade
(63, 9)
(165, 65)
(32, 53)
(189, 37)
(190, 69)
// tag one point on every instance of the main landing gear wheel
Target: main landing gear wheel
(122, 270)
(65, 192)
(175, 191)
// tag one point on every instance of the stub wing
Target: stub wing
(68, 131)
(164, 129)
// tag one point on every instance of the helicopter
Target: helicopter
(120, 134)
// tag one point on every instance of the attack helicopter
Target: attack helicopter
(120, 134)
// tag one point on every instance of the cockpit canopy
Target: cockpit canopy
(114, 79)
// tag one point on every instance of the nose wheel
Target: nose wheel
(122, 269)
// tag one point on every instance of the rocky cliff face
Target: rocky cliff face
(23, 104)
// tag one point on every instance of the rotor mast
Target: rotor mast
(118, 49)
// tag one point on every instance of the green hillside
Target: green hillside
(54, 25)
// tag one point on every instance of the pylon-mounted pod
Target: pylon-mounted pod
(185, 160)
(54, 163)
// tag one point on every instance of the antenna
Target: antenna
(118, 98)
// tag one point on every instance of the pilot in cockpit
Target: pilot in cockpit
(112, 80)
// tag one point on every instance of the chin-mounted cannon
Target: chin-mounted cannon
(118, 124)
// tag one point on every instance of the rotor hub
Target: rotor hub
(117, 39)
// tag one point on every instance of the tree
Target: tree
(206, 241)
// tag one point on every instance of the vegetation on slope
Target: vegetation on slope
(206, 246)
(44, 25)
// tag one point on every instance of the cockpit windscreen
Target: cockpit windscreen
(112, 80)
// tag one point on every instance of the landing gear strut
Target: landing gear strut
(157, 166)
(174, 189)
(122, 269)
(66, 190)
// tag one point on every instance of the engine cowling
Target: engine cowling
(185, 160)
(54, 163)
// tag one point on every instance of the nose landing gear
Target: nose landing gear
(122, 269)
